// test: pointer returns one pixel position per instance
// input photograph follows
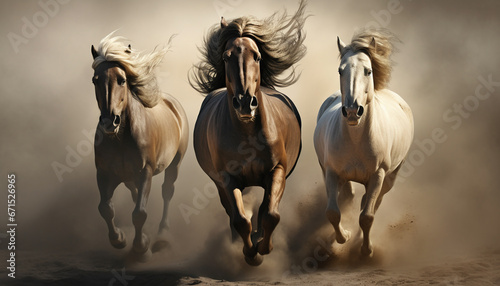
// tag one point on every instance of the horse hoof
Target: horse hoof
(140, 257)
(264, 249)
(120, 241)
(159, 245)
(254, 261)
(343, 237)
(141, 245)
(367, 252)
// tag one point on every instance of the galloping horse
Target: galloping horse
(363, 131)
(140, 133)
(247, 133)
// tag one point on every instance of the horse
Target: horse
(247, 133)
(141, 133)
(363, 131)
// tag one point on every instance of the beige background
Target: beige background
(446, 207)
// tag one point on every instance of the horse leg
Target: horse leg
(242, 223)
(346, 195)
(387, 186)
(263, 208)
(139, 215)
(373, 190)
(268, 211)
(227, 206)
(333, 187)
(107, 186)
(133, 190)
(167, 191)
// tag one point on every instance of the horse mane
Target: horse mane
(139, 67)
(280, 40)
(380, 54)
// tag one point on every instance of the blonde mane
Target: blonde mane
(280, 40)
(138, 67)
(380, 53)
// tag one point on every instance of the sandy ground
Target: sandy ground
(482, 268)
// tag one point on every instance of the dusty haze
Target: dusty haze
(446, 204)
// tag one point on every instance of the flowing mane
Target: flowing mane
(138, 67)
(280, 40)
(380, 54)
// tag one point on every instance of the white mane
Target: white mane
(138, 67)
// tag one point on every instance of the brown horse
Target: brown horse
(247, 133)
(140, 134)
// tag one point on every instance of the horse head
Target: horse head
(356, 82)
(111, 89)
(242, 65)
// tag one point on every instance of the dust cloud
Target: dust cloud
(445, 204)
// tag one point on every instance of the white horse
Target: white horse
(363, 131)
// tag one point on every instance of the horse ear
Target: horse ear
(94, 52)
(340, 44)
(223, 23)
(373, 43)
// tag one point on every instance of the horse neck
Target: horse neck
(266, 113)
(135, 110)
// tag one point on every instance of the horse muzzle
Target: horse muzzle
(352, 114)
(110, 124)
(246, 107)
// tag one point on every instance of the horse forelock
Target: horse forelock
(138, 67)
(379, 54)
(279, 38)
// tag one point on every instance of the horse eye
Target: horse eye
(340, 71)
(257, 58)
(368, 72)
(94, 79)
(121, 81)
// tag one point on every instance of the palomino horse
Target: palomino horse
(140, 134)
(247, 133)
(363, 131)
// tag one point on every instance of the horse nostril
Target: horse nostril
(344, 111)
(236, 103)
(253, 102)
(360, 111)
(116, 122)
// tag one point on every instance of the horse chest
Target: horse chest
(253, 171)
(247, 162)
(122, 160)
(355, 164)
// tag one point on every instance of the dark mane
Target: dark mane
(280, 40)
